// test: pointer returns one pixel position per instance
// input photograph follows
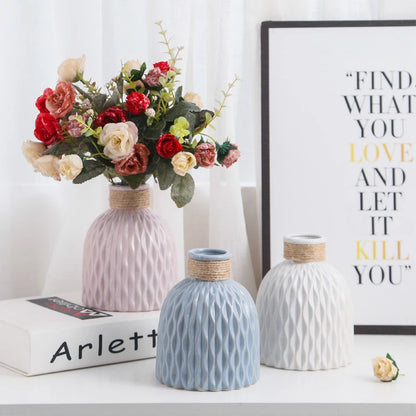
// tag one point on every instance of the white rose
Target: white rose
(129, 65)
(183, 162)
(118, 139)
(48, 166)
(191, 97)
(70, 68)
(32, 150)
(70, 166)
(384, 368)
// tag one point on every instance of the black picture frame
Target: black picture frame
(265, 134)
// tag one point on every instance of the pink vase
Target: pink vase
(129, 261)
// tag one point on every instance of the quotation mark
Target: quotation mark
(348, 74)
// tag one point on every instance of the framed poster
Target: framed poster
(338, 156)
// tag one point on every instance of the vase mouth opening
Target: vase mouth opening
(302, 239)
(209, 254)
(127, 188)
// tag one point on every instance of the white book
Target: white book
(45, 334)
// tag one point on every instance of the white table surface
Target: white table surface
(131, 389)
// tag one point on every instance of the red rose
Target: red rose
(47, 129)
(205, 155)
(40, 102)
(163, 66)
(136, 102)
(113, 114)
(167, 146)
(135, 163)
(61, 101)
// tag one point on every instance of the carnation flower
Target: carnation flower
(70, 166)
(205, 155)
(32, 150)
(118, 139)
(183, 162)
(74, 128)
(61, 101)
(152, 77)
(70, 68)
(48, 166)
(232, 157)
(163, 66)
(136, 102)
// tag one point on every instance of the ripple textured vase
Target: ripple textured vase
(208, 337)
(304, 309)
(129, 261)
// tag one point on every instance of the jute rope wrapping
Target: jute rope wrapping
(210, 270)
(129, 199)
(304, 253)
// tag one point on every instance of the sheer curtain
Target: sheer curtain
(43, 223)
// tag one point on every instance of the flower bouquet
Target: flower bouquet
(140, 126)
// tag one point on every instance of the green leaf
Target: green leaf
(165, 174)
(90, 170)
(180, 109)
(137, 74)
(120, 83)
(223, 150)
(60, 148)
(395, 364)
(178, 94)
(113, 100)
(182, 190)
(84, 93)
(98, 102)
(154, 132)
(135, 181)
(202, 118)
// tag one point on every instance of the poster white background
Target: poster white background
(315, 185)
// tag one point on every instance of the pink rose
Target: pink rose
(135, 163)
(205, 155)
(152, 77)
(61, 101)
(231, 157)
(74, 128)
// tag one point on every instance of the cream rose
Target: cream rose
(118, 139)
(130, 65)
(384, 368)
(70, 68)
(48, 166)
(183, 162)
(32, 150)
(191, 97)
(70, 166)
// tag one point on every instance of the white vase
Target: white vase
(129, 261)
(304, 308)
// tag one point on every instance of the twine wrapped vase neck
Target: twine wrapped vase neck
(122, 197)
(304, 248)
(209, 264)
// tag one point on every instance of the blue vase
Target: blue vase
(208, 337)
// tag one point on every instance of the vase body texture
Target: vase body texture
(305, 312)
(129, 260)
(208, 337)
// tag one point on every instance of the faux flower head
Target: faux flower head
(32, 150)
(194, 98)
(48, 166)
(70, 166)
(70, 69)
(385, 368)
(118, 139)
(130, 65)
(183, 162)
(61, 101)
